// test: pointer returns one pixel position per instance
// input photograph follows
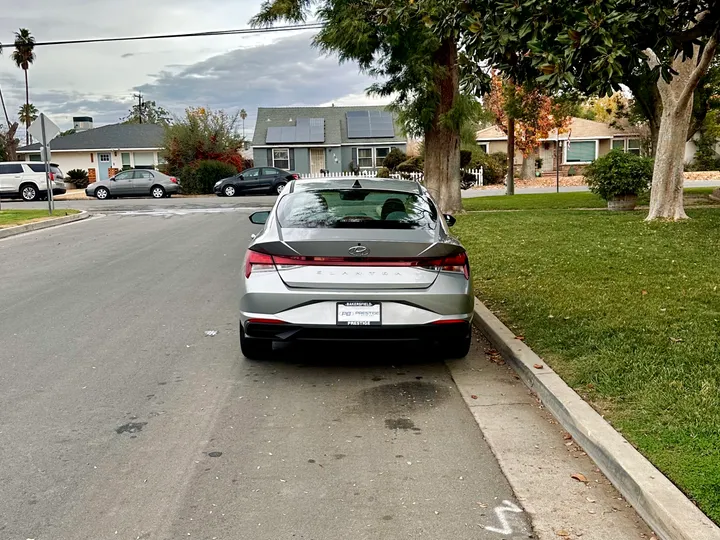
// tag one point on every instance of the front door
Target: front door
(122, 184)
(250, 180)
(142, 182)
(317, 161)
(104, 164)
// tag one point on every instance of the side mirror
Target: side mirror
(259, 218)
(450, 220)
(241, 177)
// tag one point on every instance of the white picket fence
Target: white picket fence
(414, 176)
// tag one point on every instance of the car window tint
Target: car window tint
(251, 173)
(270, 172)
(142, 174)
(124, 176)
(37, 167)
(56, 171)
(356, 209)
(11, 168)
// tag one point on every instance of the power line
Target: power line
(239, 31)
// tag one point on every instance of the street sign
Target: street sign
(51, 129)
(45, 154)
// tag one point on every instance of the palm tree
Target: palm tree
(23, 56)
(27, 113)
(243, 115)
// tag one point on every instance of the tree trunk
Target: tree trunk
(666, 198)
(27, 102)
(510, 181)
(442, 141)
(12, 142)
(528, 168)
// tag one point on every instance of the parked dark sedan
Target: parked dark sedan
(256, 180)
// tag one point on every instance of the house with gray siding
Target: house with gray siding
(309, 140)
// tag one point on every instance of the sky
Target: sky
(228, 72)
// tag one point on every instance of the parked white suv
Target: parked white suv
(26, 179)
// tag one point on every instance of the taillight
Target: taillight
(455, 263)
(173, 180)
(257, 262)
(296, 176)
(52, 176)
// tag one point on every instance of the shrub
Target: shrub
(383, 172)
(412, 165)
(494, 165)
(465, 158)
(618, 174)
(200, 177)
(79, 177)
(394, 158)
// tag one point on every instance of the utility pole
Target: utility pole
(140, 107)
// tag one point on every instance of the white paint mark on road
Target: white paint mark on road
(500, 512)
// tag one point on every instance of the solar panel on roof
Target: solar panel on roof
(370, 124)
(307, 130)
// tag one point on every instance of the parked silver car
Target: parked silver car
(136, 182)
(355, 259)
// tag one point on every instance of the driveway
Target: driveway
(122, 419)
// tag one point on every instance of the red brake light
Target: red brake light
(456, 263)
(52, 176)
(258, 262)
(173, 180)
(296, 176)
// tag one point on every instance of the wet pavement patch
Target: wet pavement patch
(131, 427)
(399, 423)
(400, 398)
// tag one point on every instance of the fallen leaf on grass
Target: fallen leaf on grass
(538, 366)
(644, 292)
(580, 478)
(676, 339)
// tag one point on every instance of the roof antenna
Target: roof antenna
(357, 185)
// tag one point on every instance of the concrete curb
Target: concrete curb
(39, 225)
(658, 501)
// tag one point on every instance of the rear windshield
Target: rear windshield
(40, 167)
(356, 209)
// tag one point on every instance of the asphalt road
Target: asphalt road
(121, 419)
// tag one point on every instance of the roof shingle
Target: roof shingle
(112, 137)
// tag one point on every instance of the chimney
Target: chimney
(82, 123)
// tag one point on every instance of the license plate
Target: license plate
(359, 314)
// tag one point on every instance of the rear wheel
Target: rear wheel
(158, 192)
(29, 192)
(229, 191)
(279, 187)
(254, 349)
(455, 347)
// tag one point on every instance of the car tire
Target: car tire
(102, 193)
(254, 349)
(456, 348)
(229, 191)
(277, 190)
(29, 192)
(157, 192)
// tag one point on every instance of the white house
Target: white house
(117, 146)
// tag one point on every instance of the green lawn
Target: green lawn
(627, 312)
(8, 218)
(562, 201)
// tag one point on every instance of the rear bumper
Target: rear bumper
(427, 333)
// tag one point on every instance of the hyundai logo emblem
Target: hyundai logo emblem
(359, 250)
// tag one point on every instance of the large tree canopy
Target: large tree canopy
(393, 41)
(595, 46)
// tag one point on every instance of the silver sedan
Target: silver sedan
(134, 183)
(355, 259)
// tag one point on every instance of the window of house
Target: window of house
(104, 158)
(125, 156)
(485, 147)
(365, 158)
(380, 155)
(281, 158)
(618, 144)
(580, 152)
(634, 146)
(35, 157)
